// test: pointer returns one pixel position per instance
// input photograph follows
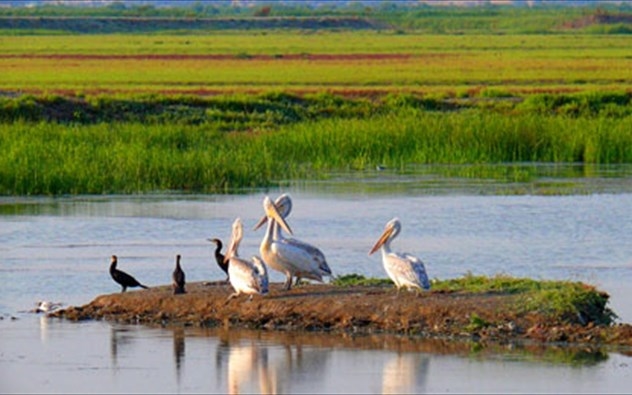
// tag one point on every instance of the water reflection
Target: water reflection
(254, 363)
(120, 336)
(43, 321)
(281, 362)
(405, 373)
(178, 351)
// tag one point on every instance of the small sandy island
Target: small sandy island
(492, 315)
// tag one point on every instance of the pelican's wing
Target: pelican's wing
(420, 270)
(315, 253)
(262, 273)
(306, 259)
(243, 274)
(409, 269)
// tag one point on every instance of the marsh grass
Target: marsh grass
(573, 301)
(54, 145)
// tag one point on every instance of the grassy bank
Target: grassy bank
(56, 146)
(572, 301)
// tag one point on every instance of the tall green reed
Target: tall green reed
(131, 157)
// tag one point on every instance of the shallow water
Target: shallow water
(58, 249)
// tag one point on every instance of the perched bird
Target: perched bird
(219, 257)
(249, 277)
(124, 279)
(44, 306)
(178, 278)
(404, 269)
(289, 256)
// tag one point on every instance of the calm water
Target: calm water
(58, 250)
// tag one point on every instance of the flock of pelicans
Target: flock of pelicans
(289, 256)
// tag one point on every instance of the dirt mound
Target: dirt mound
(356, 309)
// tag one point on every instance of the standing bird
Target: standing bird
(219, 257)
(290, 256)
(404, 269)
(124, 279)
(249, 277)
(178, 278)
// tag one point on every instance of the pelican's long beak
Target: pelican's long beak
(262, 221)
(380, 242)
(283, 204)
(234, 240)
(273, 213)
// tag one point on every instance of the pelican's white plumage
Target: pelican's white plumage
(289, 256)
(244, 276)
(404, 269)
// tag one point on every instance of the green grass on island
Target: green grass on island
(566, 300)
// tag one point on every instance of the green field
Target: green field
(439, 64)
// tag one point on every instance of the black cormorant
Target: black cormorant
(219, 257)
(124, 279)
(178, 278)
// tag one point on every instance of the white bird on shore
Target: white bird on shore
(289, 256)
(44, 306)
(249, 277)
(404, 269)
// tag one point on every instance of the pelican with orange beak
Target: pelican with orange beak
(289, 256)
(404, 269)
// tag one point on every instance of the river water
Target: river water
(546, 222)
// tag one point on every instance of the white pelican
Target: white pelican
(404, 269)
(290, 256)
(244, 276)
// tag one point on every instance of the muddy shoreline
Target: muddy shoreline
(356, 309)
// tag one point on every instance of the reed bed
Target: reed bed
(52, 159)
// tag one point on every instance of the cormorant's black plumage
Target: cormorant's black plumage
(178, 278)
(219, 257)
(124, 279)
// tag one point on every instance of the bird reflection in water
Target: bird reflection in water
(178, 351)
(255, 368)
(44, 329)
(248, 369)
(119, 336)
(404, 373)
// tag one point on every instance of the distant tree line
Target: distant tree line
(486, 18)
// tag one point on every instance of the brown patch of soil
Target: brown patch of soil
(358, 309)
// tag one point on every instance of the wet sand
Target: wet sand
(356, 309)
